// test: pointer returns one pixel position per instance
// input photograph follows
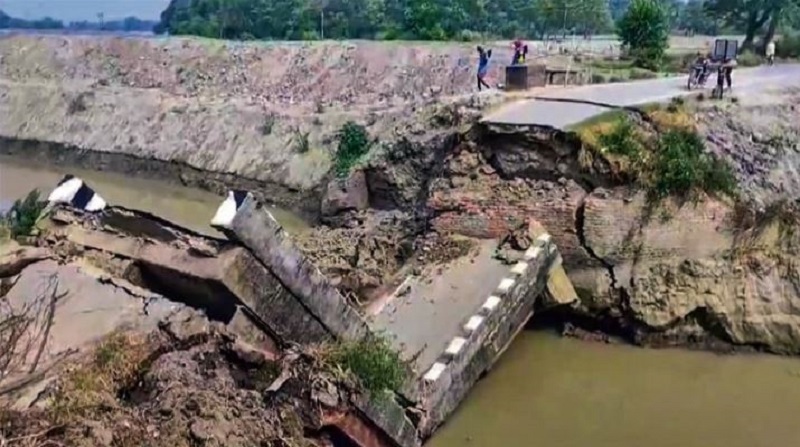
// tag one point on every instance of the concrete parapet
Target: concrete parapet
(485, 335)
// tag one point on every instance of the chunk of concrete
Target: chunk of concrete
(559, 289)
(254, 227)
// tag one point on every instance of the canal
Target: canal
(188, 207)
(550, 391)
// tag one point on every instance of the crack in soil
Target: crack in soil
(580, 221)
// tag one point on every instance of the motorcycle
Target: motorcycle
(697, 77)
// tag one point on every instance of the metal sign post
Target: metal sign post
(725, 49)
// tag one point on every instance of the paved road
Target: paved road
(561, 115)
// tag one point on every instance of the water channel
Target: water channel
(188, 207)
(557, 392)
(546, 391)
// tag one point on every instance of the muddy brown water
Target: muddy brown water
(188, 207)
(550, 391)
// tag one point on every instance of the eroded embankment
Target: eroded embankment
(710, 271)
(265, 118)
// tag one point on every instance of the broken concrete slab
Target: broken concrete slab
(422, 322)
(255, 227)
(485, 335)
(214, 275)
(63, 310)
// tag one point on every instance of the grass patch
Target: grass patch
(681, 165)
(93, 385)
(622, 140)
(641, 73)
(669, 161)
(21, 219)
(373, 361)
(611, 64)
(301, 142)
(610, 116)
(354, 143)
(268, 125)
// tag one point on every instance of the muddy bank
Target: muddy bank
(189, 387)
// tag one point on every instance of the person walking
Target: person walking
(483, 66)
(770, 52)
(728, 66)
(520, 52)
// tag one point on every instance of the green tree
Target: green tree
(694, 17)
(383, 19)
(644, 30)
(750, 16)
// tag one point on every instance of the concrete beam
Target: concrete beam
(255, 227)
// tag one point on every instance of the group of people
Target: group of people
(520, 53)
(725, 68)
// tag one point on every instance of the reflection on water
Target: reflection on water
(188, 207)
(554, 392)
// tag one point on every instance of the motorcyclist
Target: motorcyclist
(701, 64)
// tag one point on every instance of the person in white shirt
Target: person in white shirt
(770, 52)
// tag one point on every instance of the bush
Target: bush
(353, 145)
(644, 30)
(373, 361)
(466, 35)
(622, 140)
(749, 59)
(788, 47)
(598, 78)
(21, 218)
(681, 165)
(641, 73)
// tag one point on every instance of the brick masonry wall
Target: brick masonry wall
(499, 207)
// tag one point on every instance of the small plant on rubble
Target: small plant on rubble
(21, 218)
(373, 361)
(353, 145)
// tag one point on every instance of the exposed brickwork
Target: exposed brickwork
(476, 202)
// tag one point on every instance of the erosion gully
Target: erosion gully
(546, 390)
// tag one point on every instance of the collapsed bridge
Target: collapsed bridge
(450, 329)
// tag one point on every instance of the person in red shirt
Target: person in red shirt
(520, 51)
